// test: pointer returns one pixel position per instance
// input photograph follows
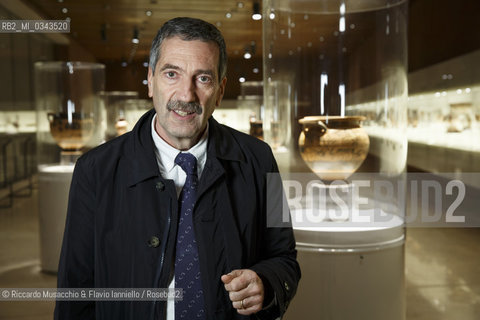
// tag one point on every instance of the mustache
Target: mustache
(188, 107)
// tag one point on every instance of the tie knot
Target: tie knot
(187, 162)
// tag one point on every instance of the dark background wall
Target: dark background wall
(441, 29)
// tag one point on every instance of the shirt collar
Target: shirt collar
(166, 154)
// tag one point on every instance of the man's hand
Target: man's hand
(245, 289)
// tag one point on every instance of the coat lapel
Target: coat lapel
(221, 147)
(141, 152)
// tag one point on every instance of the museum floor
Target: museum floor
(442, 268)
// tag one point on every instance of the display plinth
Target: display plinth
(53, 188)
(353, 272)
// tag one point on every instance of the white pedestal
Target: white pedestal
(350, 272)
(53, 188)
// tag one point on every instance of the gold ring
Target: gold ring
(243, 307)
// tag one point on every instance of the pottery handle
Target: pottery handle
(324, 127)
(50, 116)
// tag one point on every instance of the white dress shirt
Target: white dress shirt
(166, 155)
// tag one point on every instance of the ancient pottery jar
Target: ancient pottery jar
(71, 134)
(333, 146)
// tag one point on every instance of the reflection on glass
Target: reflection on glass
(68, 97)
(116, 124)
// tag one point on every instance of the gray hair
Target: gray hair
(190, 29)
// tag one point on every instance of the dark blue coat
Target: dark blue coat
(119, 202)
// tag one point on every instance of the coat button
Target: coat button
(153, 242)
(160, 186)
(285, 284)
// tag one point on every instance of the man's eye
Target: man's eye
(204, 79)
(170, 74)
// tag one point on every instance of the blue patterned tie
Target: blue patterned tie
(187, 268)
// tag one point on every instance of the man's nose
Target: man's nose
(186, 92)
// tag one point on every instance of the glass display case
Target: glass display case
(68, 108)
(251, 107)
(444, 117)
(447, 118)
(129, 112)
(342, 163)
(325, 58)
(444, 132)
(115, 112)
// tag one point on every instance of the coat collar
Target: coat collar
(222, 144)
(140, 149)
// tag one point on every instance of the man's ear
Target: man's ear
(221, 92)
(150, 82)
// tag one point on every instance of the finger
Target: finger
(236, 273)
(252, 289)
(237, 282)
(237, 296)
(238, 304)
(249, 311)
(241, 304)
(227, 278)
(250, 305)
(249, 302)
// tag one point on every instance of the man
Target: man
(178, 202)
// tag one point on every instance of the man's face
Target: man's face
(185, 89)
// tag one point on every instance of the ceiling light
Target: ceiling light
(341, 24)
(145, 64)
(241, 79)
(240, 5)
(247, 55)
(135, 36)
(64, 10)
(148, 13)
(228, 15)
(256, 11)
